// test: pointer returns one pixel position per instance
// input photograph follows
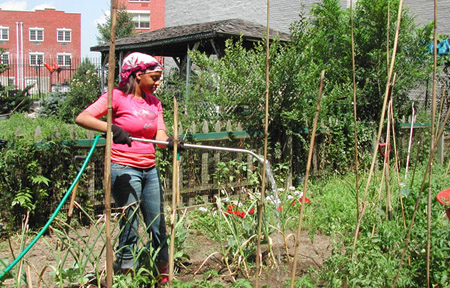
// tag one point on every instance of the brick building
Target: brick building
(41, 46)
(147, 15)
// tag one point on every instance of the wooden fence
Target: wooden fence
(204, 172)
(200, 172)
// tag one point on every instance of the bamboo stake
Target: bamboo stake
(386, 164)
(397, 169)
(388, 25)
(266, 132)
(174, 191)
(433, 116)
(355, 110)
(305, 183)
(107, 173)
(441, 108)
(380, 127)
(380, 188)
(413, 119)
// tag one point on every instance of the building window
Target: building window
(64, 35)
(64, 59)
(4, 33)
(4, 58)
(7, 81)
(36, 34)
(36, 59)
(141, 19)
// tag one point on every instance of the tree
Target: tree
(321, 42)
(125, 26)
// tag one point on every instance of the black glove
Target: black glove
(180, 147)
(120, 136)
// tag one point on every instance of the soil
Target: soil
(201, 251)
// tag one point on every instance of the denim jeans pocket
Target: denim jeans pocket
(118, 167)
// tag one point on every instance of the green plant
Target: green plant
(375, 260)
(15, 100)
(34, 173)
(84, 89)
(51, 104)
(125, 26)
(233, 224)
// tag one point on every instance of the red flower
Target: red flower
(230, 209)
(279, 208)
(241, 214)
(306, 200)
(251, 211)
(293, 202)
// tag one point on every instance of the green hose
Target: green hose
(54, 213)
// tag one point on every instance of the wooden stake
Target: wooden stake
(380, 126)
(266, 132)
(433, 137)
(386, 164)
(107, 175)
(355, 132)
(305, 183)
(173, 213)
(397, 169)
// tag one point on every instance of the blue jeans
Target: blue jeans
(138, 188)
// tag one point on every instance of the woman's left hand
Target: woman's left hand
(180, 144)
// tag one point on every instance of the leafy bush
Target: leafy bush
(34, 174)
(319, 43)
(51, 105)
(84, 89)
(15, 100)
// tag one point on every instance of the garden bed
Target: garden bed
(200, 267)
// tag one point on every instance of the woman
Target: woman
(135, 181)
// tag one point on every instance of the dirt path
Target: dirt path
(41, 258)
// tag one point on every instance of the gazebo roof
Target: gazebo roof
(173, 41)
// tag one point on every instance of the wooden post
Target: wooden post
(440, 150)
(173, 213)
(111, 68)
(305, 183)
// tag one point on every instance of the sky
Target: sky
(92, 12)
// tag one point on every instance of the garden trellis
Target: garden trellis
(196, 177)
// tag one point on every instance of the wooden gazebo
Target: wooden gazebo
(175, 42)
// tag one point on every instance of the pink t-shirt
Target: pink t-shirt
(139, 117)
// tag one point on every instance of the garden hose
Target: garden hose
(77, 178)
